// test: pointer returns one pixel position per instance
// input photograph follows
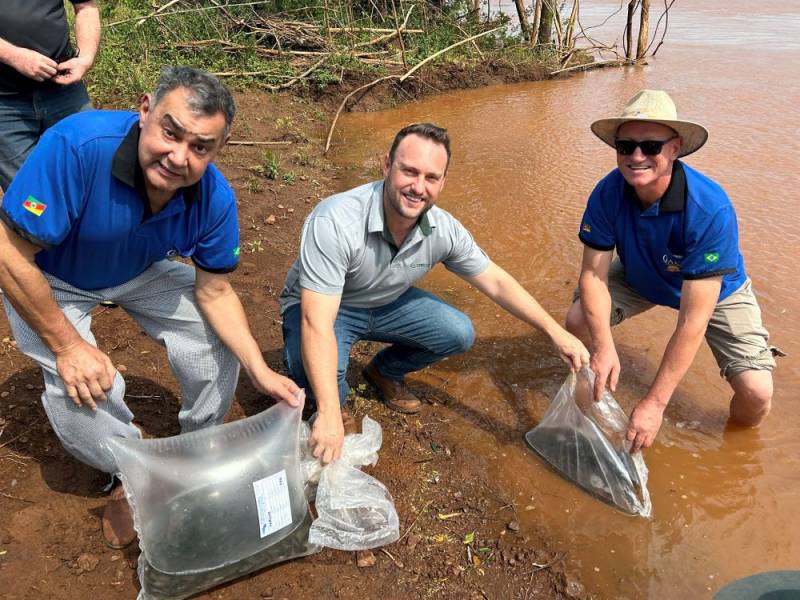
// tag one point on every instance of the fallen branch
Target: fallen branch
(160, 10)
(424, 508)
(303, 75)
(17, 498)
(400, 78)
(250, 143)
(594, 65)
(346, 98)
(443, 50)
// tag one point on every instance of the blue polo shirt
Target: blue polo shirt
(690, 233)
(80, 196)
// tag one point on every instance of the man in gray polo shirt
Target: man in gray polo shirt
(360, 254)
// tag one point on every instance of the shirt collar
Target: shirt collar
(127, 169)
(674, 199)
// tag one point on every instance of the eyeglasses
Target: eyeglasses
(649, 147)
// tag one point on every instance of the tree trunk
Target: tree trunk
(629, 29)
(537, 19)
(644, 30)
(545, 34)
(523, 20)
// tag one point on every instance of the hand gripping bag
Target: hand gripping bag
(215, 504)
(584, 441)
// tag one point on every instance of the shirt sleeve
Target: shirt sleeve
(46, 196)
(323, 258)
(217, 251)
(714, 249)
(597, 225)
(466, 258)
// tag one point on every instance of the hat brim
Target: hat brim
(693, 135)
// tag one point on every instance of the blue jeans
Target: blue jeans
(24, 118)
(421, 328)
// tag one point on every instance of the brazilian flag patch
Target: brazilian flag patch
(236, 252)
(711, 257)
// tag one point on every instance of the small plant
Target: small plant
(289, 177)
(254, 186)
(284, 123)
(270, 165)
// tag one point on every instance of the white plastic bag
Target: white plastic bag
(355, 511)
(215, 504)
(584, 441)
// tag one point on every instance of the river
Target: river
(725, 500)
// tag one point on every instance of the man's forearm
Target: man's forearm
(225, 313)
(678, 357)
(87, 29)
(320, 358)
(596, 305)
(29, 293)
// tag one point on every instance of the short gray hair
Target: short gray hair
(207, 94)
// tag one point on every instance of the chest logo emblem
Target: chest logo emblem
(671, 265)
(32, 205)
(711, 257)
(587, 228)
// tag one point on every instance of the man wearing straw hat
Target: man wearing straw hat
(677, 244)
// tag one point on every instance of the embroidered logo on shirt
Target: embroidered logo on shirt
(587, 228)
(711, 257)
(32, 205)
(236, 252)
(672, 265)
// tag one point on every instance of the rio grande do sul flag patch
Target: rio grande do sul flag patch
(31, 204)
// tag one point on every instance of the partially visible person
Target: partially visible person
(677, 241)
(98, 213)
(361, 253)
(40, 72)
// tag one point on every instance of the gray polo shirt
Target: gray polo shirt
(344, 251)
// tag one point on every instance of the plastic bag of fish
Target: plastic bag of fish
(213, 505)
(584, 441)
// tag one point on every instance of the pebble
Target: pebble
(4, 394)
(28, 386)
(365, 558)
(513, 526)
(270, 220)
(122, 368)
(87, 562)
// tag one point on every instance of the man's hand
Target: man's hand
(644, 424)
(571, 349)
(276, 386)
(33, 64)
(606, 368)
(327, 437)
(72, 70)
(87, 373)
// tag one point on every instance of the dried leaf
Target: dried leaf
(469, 538)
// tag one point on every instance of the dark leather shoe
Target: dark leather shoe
(394, 393)
(349, 422)
(117, 520)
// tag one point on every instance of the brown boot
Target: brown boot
(349, 422)
(394, 393)
(117, 520)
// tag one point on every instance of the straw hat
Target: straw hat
(653, 106)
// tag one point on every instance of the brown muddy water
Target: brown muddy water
(725, 501)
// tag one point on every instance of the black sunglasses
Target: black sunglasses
(649, 147)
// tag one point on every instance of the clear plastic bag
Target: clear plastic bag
(215, 504)
(584, 441)
(354, 510)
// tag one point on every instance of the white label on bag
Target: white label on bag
(272, 500)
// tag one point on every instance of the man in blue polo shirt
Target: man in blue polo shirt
(677, 242)
(95, 215)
